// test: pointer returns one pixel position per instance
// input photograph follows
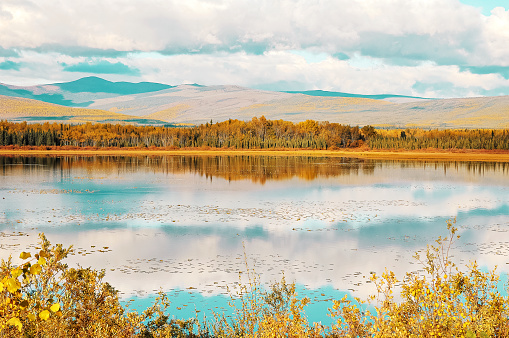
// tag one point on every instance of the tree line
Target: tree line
(258, 133)
(412, 139)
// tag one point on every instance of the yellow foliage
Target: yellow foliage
(443, 301)
(44, 315)
(16, 273)
(55, 307)
(25, 255)
(15, 322)
(12, 285)
(35, 269)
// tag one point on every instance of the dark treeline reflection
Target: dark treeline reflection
(474, 168)
(238, 167)
(232, 167)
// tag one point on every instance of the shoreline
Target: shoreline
(437, 155)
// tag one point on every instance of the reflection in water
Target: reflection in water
(238, 167)
(232, 168)
(181, 222)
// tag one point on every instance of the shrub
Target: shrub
(442, 302)
(43, 297)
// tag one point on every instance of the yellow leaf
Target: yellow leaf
(31, 316)
(55, 307)
(25, 255)
(12, 285)
(42, 261)
(35, 269)
(12, 321)
(16, 273)
(44, 315)
(15, 322)
(1, 286)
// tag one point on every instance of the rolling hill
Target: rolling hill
(387, 97)
(21, 109)
(152, 103)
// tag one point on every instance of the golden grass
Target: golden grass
(255, 106)
(168, 114)
(19, 107)
(435, 155)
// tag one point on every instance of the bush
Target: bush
(43, 297)
(443, 302)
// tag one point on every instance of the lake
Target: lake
(188, 225)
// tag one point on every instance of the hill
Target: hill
(387, 97)
(152, 103)
(191, 104)
(22, 109)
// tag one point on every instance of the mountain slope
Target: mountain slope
(189, 104)
(193, 104)
(387, 97)
(80, 93)
(22, 109)
(94, 84)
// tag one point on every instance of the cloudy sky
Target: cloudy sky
(432, 48)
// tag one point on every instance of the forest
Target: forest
(412, 139)
(258, 133)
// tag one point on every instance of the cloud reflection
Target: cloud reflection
(183, 222)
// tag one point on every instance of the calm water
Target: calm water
(184, 223)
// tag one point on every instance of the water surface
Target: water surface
(186, 223)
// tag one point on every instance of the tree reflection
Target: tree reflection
(256, 168)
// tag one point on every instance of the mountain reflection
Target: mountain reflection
(258, 169)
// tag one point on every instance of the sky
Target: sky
(427, 48)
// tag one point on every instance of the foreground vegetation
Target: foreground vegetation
(259, 133)
(43, 297)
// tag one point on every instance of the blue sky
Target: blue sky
(486, 6)
(432, 48)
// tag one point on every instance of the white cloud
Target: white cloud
(496, 35)
(276, 70)
(154, 25)
(254, 43)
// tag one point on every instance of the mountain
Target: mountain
(152, 103)
(190, 104)
(80, 93)
(94, 84)
(387, 97)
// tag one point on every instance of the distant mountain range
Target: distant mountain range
(80, 93)
(97, 100)
(388, 97)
